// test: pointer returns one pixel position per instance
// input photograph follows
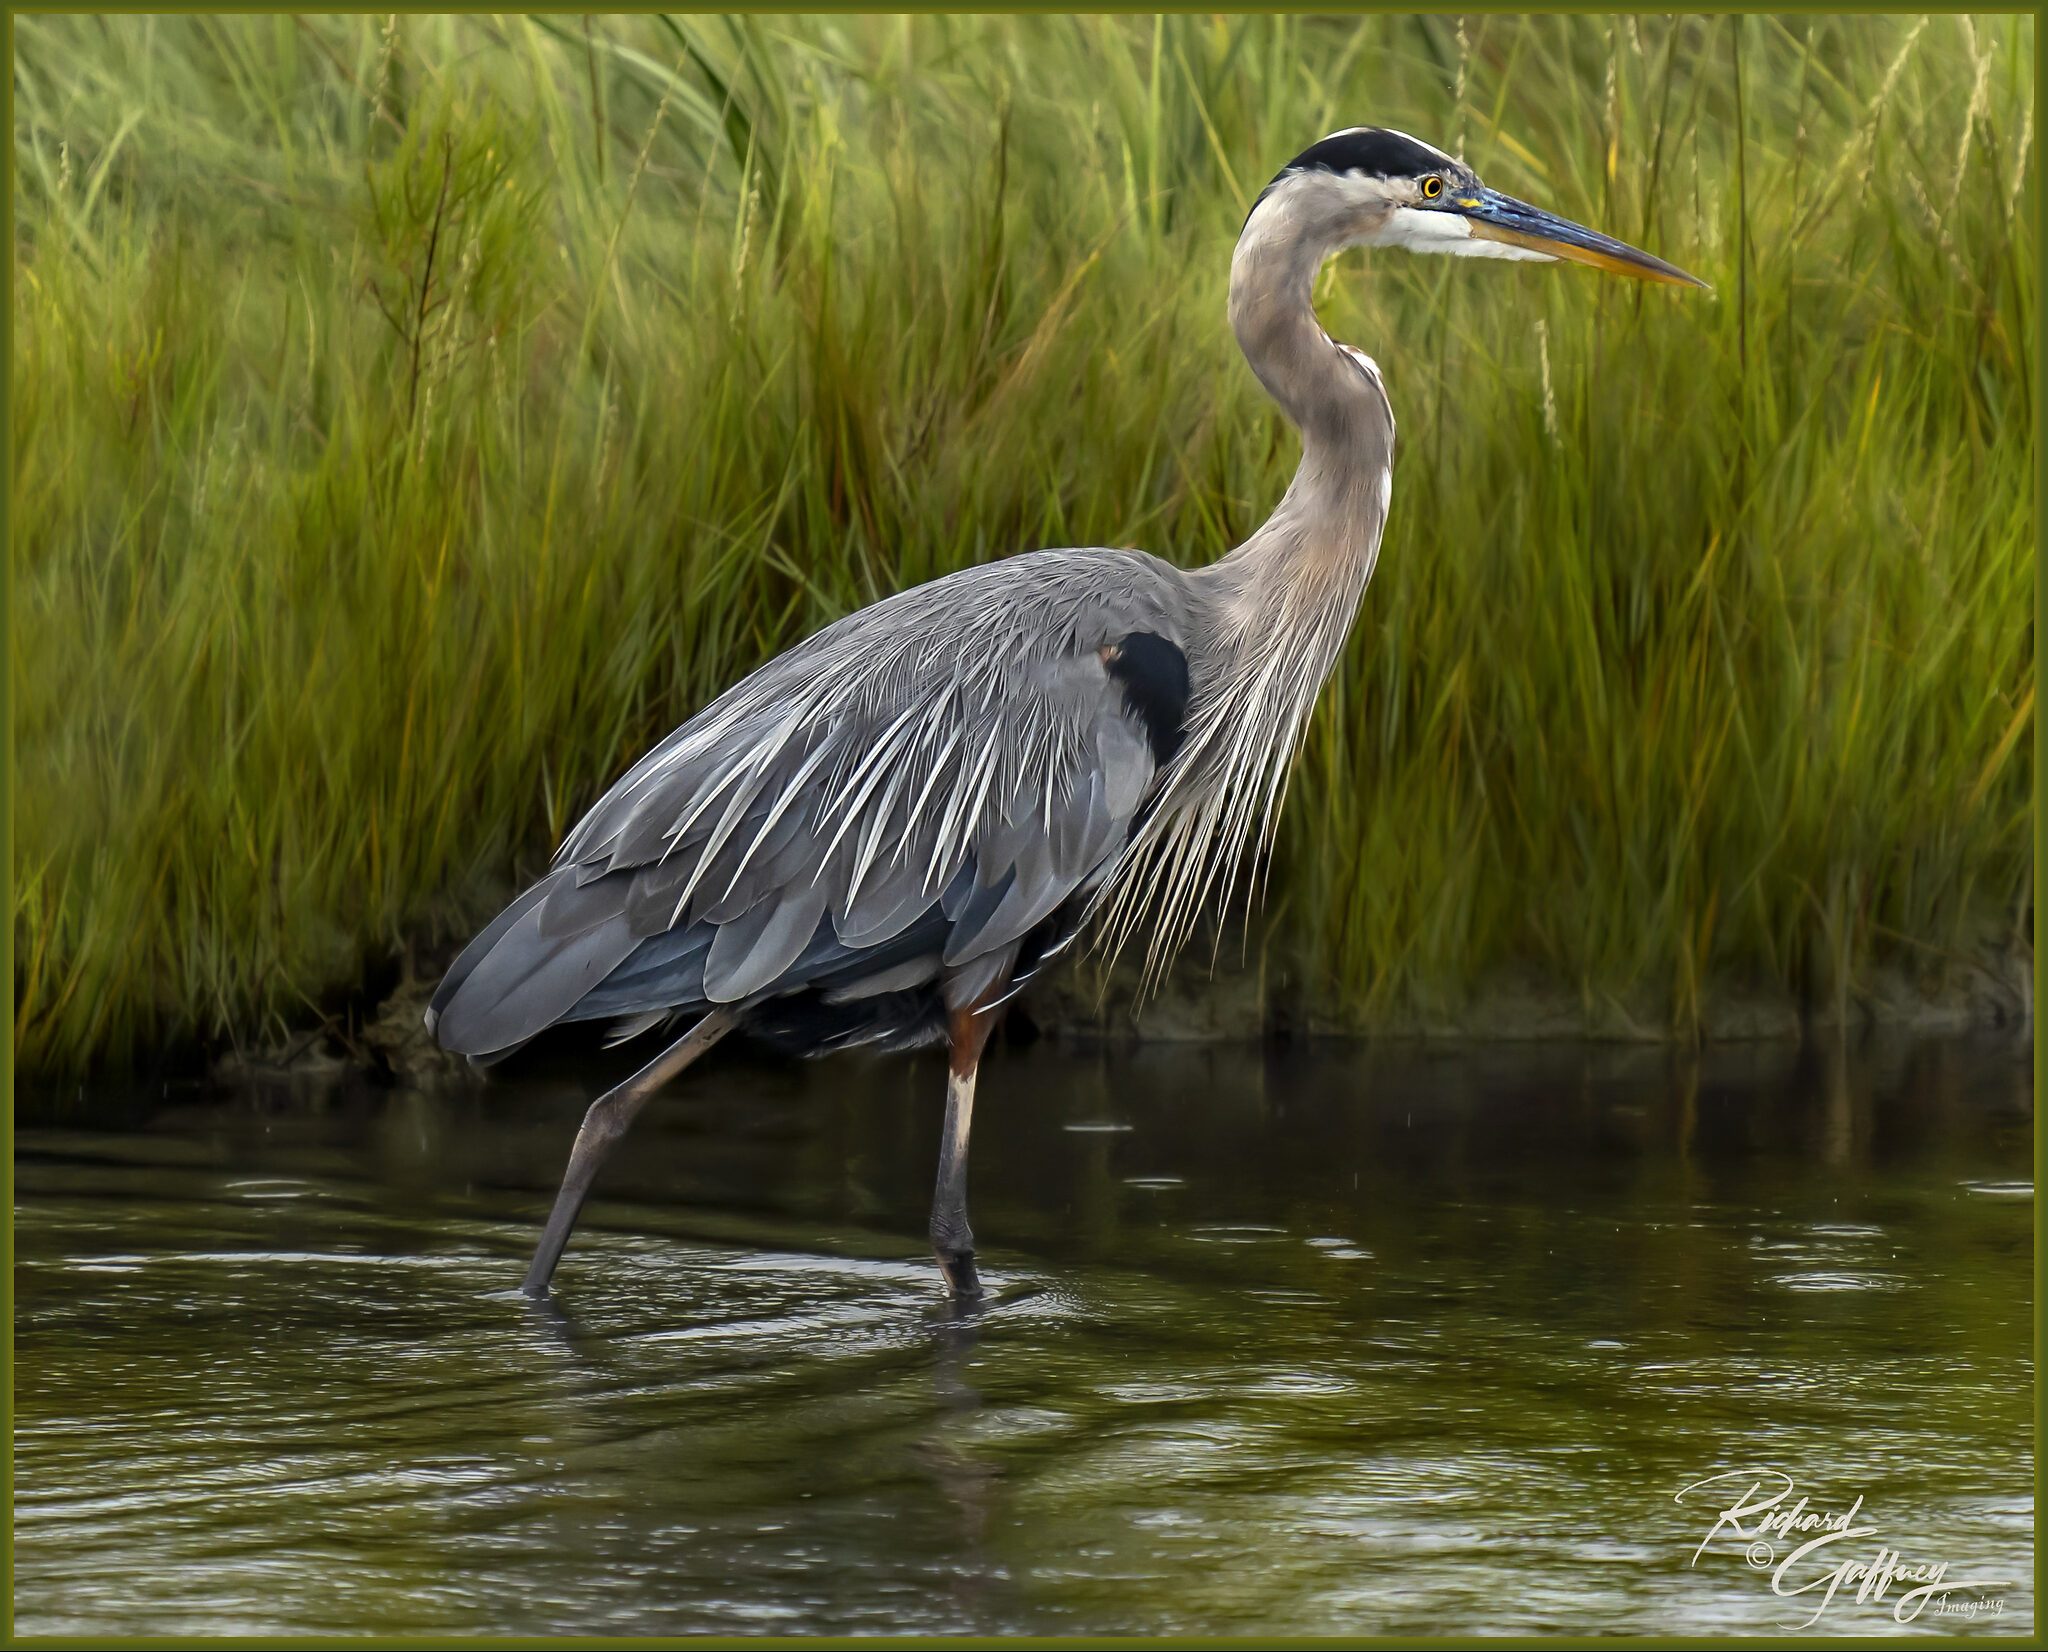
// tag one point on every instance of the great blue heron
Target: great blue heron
(879, 836)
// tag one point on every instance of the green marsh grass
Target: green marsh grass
(414, 419)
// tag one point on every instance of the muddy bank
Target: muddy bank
(1988, 988)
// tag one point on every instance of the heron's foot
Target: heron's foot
(961, 1279)
(953, 1245)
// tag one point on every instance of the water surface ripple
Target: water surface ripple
(1324, 1341)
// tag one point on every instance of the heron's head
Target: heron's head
(1373, 187)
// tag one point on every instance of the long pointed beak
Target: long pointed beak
(1498, 217)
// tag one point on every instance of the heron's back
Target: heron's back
(902, 811)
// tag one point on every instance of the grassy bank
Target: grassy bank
(413, 421)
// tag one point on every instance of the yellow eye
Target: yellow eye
(1432, 188)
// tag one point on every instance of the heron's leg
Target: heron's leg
(952, 1238)
(603, 1126)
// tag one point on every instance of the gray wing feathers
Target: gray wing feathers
(751, 953)
(959, 746)
(536, 969)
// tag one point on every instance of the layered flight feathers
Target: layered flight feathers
(894, 802)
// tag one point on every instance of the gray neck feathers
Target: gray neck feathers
(1322, 537)
(1273, 614)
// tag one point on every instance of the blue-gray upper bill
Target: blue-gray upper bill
(1498, 217)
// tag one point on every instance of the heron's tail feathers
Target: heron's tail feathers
(531, 966)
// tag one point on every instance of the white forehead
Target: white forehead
(1372, 212)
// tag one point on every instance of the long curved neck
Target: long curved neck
(1310, 561)
(1272, 312)
(1271, 617)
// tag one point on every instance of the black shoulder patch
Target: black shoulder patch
(1154, 675)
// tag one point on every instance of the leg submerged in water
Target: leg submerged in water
(603, 1127)
(952, 1238)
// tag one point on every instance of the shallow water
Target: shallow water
(1324, 1341)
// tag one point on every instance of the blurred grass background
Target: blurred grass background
(415, 418)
